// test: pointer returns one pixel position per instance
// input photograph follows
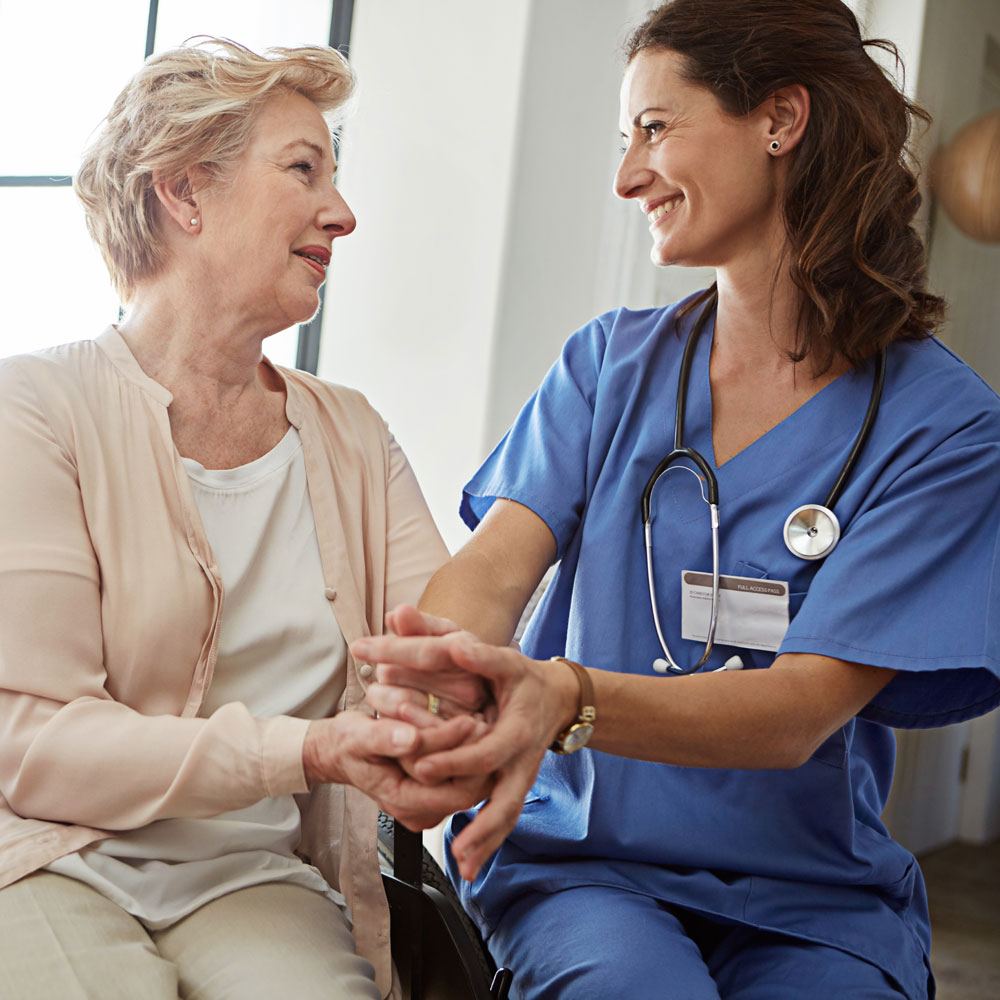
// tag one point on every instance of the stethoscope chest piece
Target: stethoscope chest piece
(811, 531)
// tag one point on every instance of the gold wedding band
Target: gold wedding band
(433, 703)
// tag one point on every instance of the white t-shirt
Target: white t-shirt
(280, 652)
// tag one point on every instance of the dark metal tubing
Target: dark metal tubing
(151, 27)
(307, 354)
(866, 428)
(341, 17)
(680, 451)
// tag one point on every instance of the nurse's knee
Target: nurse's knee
(596, 942)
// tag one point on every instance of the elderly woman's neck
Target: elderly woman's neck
(181, 345)
(228, 407)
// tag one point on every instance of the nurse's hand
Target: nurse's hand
(456, 690)
(535, 701)
(352, 748)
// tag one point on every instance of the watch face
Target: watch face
(578, 737)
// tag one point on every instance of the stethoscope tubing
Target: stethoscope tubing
(680, 451)
(672, 665)
(866, 429)
(712, 489)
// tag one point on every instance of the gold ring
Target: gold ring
(433, 703)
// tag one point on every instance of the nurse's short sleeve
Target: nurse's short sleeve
(542, 460)
(914, 584)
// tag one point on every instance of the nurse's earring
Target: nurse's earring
(774, 146)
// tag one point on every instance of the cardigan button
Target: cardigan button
(330, 594)
(366, 670)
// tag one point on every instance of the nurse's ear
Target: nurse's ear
(783, 117)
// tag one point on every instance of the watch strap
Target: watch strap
(585, 712)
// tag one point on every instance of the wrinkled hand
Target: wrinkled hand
(534, 703)
(398, 703)
(457, 689)
(352, 748)
(458, 692)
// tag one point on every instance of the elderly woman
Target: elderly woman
(189, 539)
(720, 834)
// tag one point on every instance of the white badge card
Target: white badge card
(753, 613)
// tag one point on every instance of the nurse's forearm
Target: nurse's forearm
(774, 718)
(469, 592)
(486, 586)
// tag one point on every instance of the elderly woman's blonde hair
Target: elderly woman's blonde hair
(191, 106)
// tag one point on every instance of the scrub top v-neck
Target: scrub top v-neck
(799, 851)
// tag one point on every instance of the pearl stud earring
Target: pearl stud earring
(194, 222)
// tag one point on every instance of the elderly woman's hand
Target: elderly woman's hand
(534, 703)
(352, 748)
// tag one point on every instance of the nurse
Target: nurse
(717, 834)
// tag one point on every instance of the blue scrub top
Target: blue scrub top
(912, 585)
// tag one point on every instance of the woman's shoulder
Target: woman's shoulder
(929, 376)
(631, 334)
(61, 362)
(339, 408)
(60, 378)
(647, 322)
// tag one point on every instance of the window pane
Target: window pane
(60, 290)
(281, 348)
(55, 287)
(56, 95)
(256, 25)
(64, 293)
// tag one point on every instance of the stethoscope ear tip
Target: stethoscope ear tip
(661, 666)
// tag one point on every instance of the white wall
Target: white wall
(561, 194)
(979, 810)
(947, 782)
(479, 166)
(959, 80)
(902, 22)
(427, 167)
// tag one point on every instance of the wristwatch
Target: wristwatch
(577, 734)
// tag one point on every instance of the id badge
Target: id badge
(753, 613)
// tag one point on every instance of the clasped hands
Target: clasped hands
(497, 712)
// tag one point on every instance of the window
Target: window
(54, 284)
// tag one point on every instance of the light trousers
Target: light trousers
(62, 940)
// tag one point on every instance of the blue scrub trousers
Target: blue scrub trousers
(601, 943)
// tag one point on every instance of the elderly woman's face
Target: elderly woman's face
(266, 236)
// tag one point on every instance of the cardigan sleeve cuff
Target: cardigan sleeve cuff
(281, 764)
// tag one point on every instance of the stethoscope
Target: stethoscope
(810, 532)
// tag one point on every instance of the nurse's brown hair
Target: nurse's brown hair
(851, 193)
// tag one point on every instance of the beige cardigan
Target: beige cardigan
(110, 603)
